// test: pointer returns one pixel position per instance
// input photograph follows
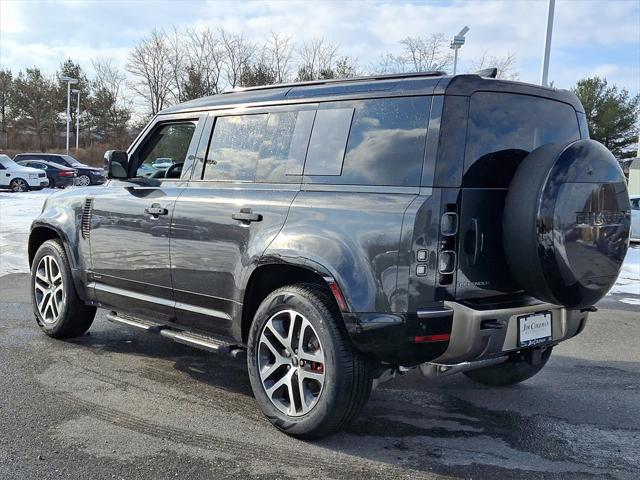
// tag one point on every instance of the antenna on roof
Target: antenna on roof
(488, 72)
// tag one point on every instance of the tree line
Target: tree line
(172, 66)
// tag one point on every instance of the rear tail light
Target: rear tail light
(447, 262)
(68, 173)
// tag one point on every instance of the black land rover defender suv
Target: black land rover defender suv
(336, 231)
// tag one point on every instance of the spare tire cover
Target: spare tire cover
(566, 223)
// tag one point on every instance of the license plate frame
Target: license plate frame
(531, 334)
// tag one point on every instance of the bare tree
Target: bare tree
(278, 53)
(426, 54)
(205, 62)
(150, 63)
(109, 108)
(238, 54)
(505, 65)
(316, 59)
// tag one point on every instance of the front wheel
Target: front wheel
(56, 305)
(19, 185)
(307, 377)
(515, 370)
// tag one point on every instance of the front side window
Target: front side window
(234, 147)
(168, 145)
(504, 128)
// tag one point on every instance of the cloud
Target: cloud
(588, 34)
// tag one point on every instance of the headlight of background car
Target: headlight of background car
(33, 176)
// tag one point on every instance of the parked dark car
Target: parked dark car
(86, 175)
(59, 176)
(343, 231)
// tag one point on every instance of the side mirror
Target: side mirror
(116, 163)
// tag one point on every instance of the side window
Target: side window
(284, 146)
(328, 141)
(385, 145)
(168, 145)
(235, 147)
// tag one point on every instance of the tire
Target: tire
(52, 182)
(84, 180)
(60, 312)
(346, 374)
(511, 372)
(19, 185)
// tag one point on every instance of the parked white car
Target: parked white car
(20, 179)
(635, 218)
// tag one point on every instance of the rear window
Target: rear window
(504, 128)
(369, 142)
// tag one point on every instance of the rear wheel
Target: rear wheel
(308, 379)
(56, 305)
(18, 185)
(515, 370)
(52, 182)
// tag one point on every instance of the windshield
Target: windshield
(70, 160)
(7, 162)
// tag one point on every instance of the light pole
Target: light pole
(70, 81)
(544, 77)
(456, 43)
(77, 118)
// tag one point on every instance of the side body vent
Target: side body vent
(85, 222)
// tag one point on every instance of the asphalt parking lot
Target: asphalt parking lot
(121, 404)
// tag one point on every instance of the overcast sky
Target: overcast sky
(591, 37)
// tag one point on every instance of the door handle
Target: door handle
(246, 216)
(478, 240)
(156, 210)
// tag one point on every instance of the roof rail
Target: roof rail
(387, 76)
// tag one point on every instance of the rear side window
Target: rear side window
(504, 128)
(385, 142)
(284, 146)
(235, 146)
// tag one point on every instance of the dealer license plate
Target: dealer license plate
(534, 329)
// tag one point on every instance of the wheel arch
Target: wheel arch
(271, 275)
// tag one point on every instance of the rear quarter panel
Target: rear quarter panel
(355, 236)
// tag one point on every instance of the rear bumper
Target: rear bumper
(484, 334)
(453, 334)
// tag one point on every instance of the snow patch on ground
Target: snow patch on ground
(17, 211)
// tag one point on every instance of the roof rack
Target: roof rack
(388, 76)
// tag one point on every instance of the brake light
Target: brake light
(67, 173)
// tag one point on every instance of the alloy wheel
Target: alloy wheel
(49, 289)
(19, 185)
(84, 180)
(291, 363)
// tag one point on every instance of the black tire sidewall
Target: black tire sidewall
(54, 249)
(291, 298)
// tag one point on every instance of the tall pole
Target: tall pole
(455, 60)
(68, 112)
(78, 121)
(544, 78)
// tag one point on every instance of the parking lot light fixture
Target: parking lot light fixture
(70, 81)
(456, 43)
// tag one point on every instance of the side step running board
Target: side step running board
(186, 338)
